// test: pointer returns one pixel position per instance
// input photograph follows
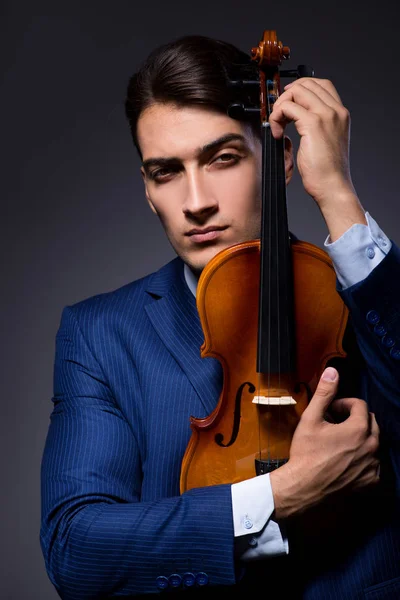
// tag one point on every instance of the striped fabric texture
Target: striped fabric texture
(127, 377)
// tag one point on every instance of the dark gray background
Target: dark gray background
(74, 218)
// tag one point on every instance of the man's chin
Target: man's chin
(197, 266)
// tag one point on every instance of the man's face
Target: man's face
(202, 174)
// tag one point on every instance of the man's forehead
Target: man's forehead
(166, 130)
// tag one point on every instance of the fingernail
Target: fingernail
(329, 374)
(287, 86)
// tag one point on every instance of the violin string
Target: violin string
(270, 155)
(264, 175)
(270, 224)
(278, 178)
(266, 157)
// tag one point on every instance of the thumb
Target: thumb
(324, 394)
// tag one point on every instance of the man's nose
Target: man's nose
(200, 199)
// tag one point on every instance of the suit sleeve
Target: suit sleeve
(97, 538)
(374, 304)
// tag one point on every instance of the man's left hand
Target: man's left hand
(323, 123)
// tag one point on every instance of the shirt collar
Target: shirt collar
(190, 279)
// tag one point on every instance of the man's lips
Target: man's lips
(205, 234)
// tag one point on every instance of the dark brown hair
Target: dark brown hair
(191, 70)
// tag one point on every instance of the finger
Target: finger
(374, 427)
(375, 470)
(323, 395)
(286, 113)
(356, 412)
(312, 97)
(352, 408)
(322, 87)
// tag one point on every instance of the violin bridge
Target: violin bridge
(274, 400)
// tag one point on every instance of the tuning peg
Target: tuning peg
(244, 83)
(239, 111)
(301, 71)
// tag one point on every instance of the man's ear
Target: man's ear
(146, 191)
(289, 159)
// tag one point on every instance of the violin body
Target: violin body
(257, 414)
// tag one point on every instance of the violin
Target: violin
(270, 314)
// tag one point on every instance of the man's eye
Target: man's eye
(227, 158)
(160, 174)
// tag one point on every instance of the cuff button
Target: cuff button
(387, 341)
(162, 582)
(175, 580)
(253, 543)
(373, 317)
(380, 330)
(202, 578)
(188, 579)
(395, 352)
(382, 240)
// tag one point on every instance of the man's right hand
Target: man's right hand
(327, 457)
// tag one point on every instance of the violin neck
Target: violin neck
(276, 334)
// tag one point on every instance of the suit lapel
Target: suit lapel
(173, 314)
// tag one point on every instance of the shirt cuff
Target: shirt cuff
(256, 534)
(358, 251)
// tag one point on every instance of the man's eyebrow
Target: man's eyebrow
(167, 161)
(224, 139)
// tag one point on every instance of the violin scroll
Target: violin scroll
(270, 52)
(267, 56)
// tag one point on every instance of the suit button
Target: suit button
(395, 353)
(201, 578)
(387, 341)
(380, 330)
(373, 317)
(175, 580)
(162, 582)
(188, 579)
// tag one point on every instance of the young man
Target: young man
(129, 375)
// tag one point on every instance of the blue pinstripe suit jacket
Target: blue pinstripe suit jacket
(127, 377)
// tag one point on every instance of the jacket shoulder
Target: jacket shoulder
(131, 297)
